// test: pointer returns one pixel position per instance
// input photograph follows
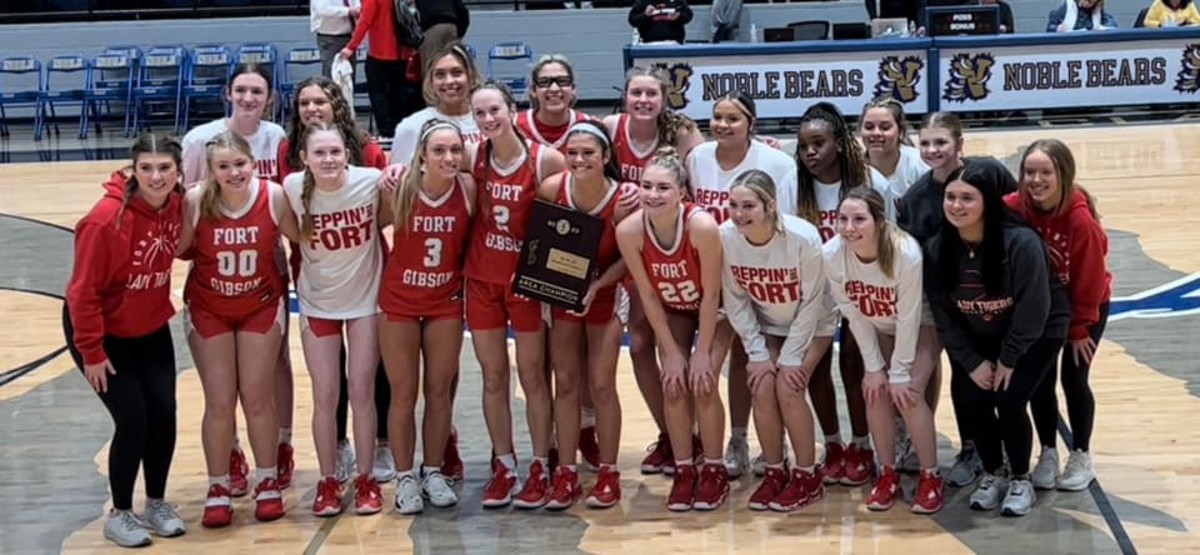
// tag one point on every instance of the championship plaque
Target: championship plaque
(557, 259)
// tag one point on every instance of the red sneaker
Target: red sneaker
(607, 491)
(452, 464)
(501, 488)
(834, 466)
(536, 492)
(218, 508)
(328, 501)
(714, 487)
(589, 448)
(268, 501)
(285, 465)
(683, 489)
(804, 489)
(886, 491)
(773, 482)
(860, 465)
(931, 493)
(565, 489)
(239, 470)
(367, 498)
(660, 456)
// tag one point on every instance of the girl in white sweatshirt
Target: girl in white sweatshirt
(874, 272)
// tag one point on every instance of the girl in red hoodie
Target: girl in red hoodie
(118, 304)
(1065, 217)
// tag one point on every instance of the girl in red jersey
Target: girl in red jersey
(673, 250)
(234, 317)
(508, 169)
(647, 124)
(118, 304)
(422, 302)
(550, 98)
(586, 346)
(450, 77)
(1065, 216)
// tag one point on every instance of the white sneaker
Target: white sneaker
(1020, 498)
(759, 464)
(1045, 472)
(991, 490)
(967, 467)
(1078, 474)
(125, 529)
(408, 496)
(737, 458)
(436, 488)
(162, 519)
(346, 463)
(384, 470)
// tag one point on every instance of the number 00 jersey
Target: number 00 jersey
(233, 271)
(425, 275)
(675, 273)
(505, 197)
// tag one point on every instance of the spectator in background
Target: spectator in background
(660, 20)
(392, 98)
(333, 23)
(1006, 15)
(442, 22)
(1172, 13)
(1080, 15)
(726, 14)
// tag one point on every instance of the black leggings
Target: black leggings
(999, 421)
(141, 400)
(1081, 405)
(383, 400)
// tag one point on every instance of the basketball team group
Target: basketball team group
(717, 251)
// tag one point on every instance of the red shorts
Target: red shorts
(601, 312)
(210, 324)
(493, 306)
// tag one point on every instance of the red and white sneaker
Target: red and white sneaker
(268, 500)
(536, 492)
(931, 493)
(713, 488)
(452, 464)
(328, 501)
(660, 456)
(886, 491)
(368, 500)
(218, 508)
(589, 448)
(607, 491)
(834, 466)
(239, 472)
(501, 488)
(565, 489)
(285, 465)
(804, 489)
(774, 480)
(860, 465)
(683, 489)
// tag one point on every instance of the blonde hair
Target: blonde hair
(889, 238)
(210, 201)
(670, 123)
(459, 52)
(1064, 170)
(667, 157)
(763, 187)
(407, 192)
(307, 226)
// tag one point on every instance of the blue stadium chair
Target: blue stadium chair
(510, 63)
(21, 87)
(110, 80)
(299, 64)
(159, 82)
(66, 82)
(208, 69)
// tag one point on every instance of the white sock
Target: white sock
(738, 434)
(261, 474)
(400, 476)
(285, 435)
(427, 470)
(833, 438)
(776, 466)
(863, 442)
(222, 480)
(587, 418)
(509, 461)
(808, 469)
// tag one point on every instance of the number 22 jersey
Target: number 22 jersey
(675, 272)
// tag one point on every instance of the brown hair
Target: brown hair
(667, 157)
(459, 52)
(763, 187)
(896, 109)
(310, 183)
(1064, 170)
(356, 138)
(889, 238)
(542, 62)
(150, 143)
(252, 68)
(409, 189)
(210, 201)
(947, 121)
(670, 123)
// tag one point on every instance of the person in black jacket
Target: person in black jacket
(442, 22)
(660, 20)
(1003, 317)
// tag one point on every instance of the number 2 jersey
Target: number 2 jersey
(504, 199)
(675, 272)
(234, 273)
(423, 278)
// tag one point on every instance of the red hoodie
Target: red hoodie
(1078, 249)
(121, 283)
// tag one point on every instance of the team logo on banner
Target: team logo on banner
(679, 78)
(898, 78)
(968, 76)
(1188, 80)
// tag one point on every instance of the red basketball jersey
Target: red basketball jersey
(420, 277)
(608, 253)
(234, 271)
(629, 158)
(504, 202)
(675, 272)
(551, 136)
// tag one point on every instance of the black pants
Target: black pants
(141, 400)
(383, 400)
(393, 98)
(1081, 405)
(998, 420)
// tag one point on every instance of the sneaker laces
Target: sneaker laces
(436, 484)
(1017, 488)
(1076, 462)
(161, 510)
(129, 520)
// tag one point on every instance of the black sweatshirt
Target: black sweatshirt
(434, 12)
(976, 326)
(660, 26)
(919, 211)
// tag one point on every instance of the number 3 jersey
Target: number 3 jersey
(233, 271)
(505, 197)
(424, 273)
(342, 263)
(675, 272)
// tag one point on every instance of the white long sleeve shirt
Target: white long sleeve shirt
(776, 289)
(876, 304)
(331, 17)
